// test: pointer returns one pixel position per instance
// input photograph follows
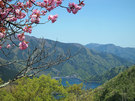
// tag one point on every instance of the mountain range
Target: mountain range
(125, 53)
(85, 63)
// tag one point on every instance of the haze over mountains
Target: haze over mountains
(90, 59)
(126, 53)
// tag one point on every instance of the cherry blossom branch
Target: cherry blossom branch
(40, 59)
(17, 17)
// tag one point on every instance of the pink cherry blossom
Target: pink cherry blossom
(27, 29)
(20, 4)
(11, 18)
(21, 37)
(8, 45)
(45, 1)
(19, 14)
(0, 47)
(74, 8)
(2, 35)
(69, 10)
(74, 11)
(37, 12)
(58, 2)
(35, 17)
(37, 20)
(52, 18)
(49, 8)
(41, 4)
(43, 12)
(29, 4)
(23, 45)
(3, 14)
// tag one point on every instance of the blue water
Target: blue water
(86, 85)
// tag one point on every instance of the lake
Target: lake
(86, 85)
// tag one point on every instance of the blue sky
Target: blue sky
(100, 21)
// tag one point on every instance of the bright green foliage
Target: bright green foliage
(120, 88)
(39, 89)
(1, 81)
(76, 89)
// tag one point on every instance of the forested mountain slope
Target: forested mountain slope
(111, 73)
(120, 88)
(83, 64)
(126, 53)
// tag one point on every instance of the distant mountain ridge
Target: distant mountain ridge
(126, 53)
(86, 63)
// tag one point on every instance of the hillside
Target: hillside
(111, 73)
(126, 53)
(83, 65)
(120, 88)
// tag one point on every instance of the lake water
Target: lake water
(86, 85)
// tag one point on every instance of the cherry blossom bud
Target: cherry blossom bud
(8, 45)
